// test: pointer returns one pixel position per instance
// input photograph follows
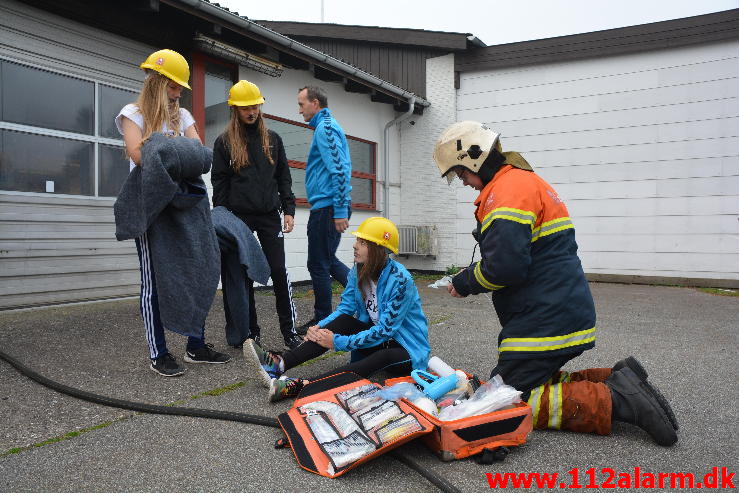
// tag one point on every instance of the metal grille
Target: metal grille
(408, 240)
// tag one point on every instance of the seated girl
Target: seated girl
(379, 320)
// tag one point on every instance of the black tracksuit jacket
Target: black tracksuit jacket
(259, 188)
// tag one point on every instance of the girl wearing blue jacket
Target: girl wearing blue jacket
(379, 320)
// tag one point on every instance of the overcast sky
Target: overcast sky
(493, 21)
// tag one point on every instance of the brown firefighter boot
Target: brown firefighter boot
(640, 372)
(634, 403)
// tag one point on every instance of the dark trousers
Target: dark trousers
(268, 228)
(389, 356)
(323, 240)
(149, 304)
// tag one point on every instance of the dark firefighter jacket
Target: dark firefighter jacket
(530, 263)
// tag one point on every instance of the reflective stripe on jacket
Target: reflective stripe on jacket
(530, 263)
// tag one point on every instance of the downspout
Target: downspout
(386, 155)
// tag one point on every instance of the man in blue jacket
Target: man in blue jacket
(327, 176)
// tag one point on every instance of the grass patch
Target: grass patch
(426, 277)
(720, 291)
(61, 438)
(439, 320)
(73, 434)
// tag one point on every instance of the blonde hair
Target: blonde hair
(155, 106)
(236, 139)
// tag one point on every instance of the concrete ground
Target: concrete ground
(686, 339)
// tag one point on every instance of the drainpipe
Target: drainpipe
(386, 155)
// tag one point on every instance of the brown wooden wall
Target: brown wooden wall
(403, 66)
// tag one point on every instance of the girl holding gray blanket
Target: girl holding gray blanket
(157, 111)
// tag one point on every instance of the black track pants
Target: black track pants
(389, 356)
(268, 228)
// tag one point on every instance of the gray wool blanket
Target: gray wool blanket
(242, 259)
(166, 198)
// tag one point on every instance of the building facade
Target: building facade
(635, 128)
(64, 75)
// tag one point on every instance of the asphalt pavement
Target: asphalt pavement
(686, 339)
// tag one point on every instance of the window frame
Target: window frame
(199, 60)
(96, 139)
(355, 174)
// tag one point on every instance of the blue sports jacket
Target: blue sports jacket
(400, 315)
(329, 168)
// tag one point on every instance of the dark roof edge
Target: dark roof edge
(389, 35)
(716, 26)
(322, 59)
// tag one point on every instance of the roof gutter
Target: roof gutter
(278, 38)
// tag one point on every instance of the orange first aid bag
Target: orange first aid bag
(473, 435)
(339, 422)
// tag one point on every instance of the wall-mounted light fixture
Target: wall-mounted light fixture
(222, 50)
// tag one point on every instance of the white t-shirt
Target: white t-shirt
(369, 293)
(131, 111)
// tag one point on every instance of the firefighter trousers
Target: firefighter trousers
(579, 401)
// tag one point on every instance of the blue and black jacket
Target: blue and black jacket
(530, 263)
(400, 315)
(329, 168)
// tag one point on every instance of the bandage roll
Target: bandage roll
(438, 366)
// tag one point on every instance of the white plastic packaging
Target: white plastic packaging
(427, 405)
(440, 283)
(491, 396)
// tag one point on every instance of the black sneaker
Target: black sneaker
(167, 366)
(293, 341)
(206, 354)
(256, 339)
(284, 388)
(303, 329)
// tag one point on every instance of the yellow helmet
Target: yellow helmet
(170, 64)
(380, 231)
(244, 93)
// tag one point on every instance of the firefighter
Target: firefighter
(530, 265)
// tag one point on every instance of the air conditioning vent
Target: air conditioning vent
(417, 240)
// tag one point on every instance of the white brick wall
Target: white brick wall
(425, 198)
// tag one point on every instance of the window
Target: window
(297, 138)
(57, 133)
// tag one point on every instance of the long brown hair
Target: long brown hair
(155, 107)
(372, 268)
(236, 140)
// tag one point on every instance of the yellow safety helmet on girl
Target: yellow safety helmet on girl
(244, 93)
(379, 230)
(170, 64)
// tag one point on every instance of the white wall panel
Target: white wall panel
(643, 147)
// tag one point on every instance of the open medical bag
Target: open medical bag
(339, 422)
(488, 433)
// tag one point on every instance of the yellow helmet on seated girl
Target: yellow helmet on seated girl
(380, 231)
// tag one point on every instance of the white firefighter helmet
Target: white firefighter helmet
(465, 144)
